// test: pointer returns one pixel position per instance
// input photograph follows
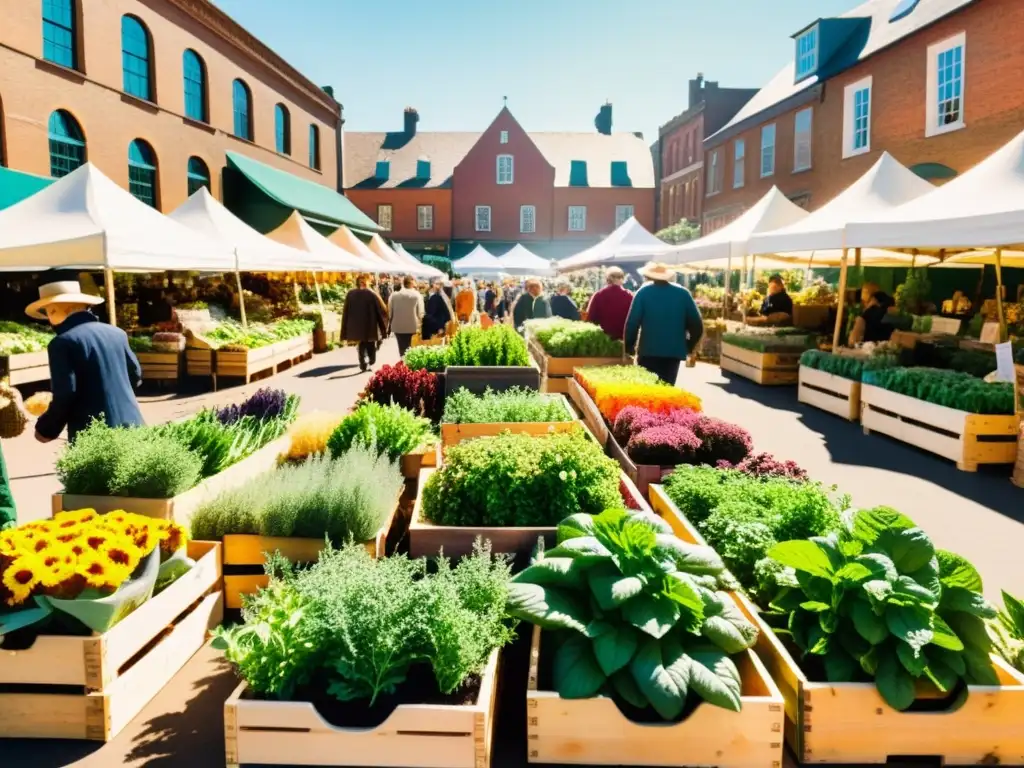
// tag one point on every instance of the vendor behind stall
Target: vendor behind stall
(871, 325)
(777, 306)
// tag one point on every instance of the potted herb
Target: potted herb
(496, 357)
(518, 410)
(394, 431)
(767, 356)
(560, 346)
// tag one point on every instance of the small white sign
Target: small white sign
(1004, 362)
(990, 333)
(948, 325)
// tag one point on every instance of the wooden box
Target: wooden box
(765, 368)
(92, 687)
(160, 366)
(180, 508)
(641, 474)
(566, 366)
(424, 456)
(850, 723)
(421, 735)
(452, 434)
(969, 439)
(829, 392)
(247, 363)
(27, 367)
(594, 731)
(589, 413)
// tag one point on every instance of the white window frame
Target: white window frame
(385, 217)
(527, 219)
(807, 46)
(509, 176)
(623, 214)
(802, 141)
(580, 212)
(850, 130)
(503, 137)
(932, 127)
(714, 185)
(739, 163)
(765, 147)
(483, 213)
(424, 218)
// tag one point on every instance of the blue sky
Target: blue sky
(557, 61)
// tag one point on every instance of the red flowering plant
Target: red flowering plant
(721, 441)
(716, 440)
(418, 391)
(664, 445)
(764, 465)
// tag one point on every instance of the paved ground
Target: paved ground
(979, 515)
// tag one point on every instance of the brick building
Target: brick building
(933, 82)
(555, 192)
(680, 158)
(157, 93)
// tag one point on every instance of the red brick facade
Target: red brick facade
(681, 194)
(405, 203)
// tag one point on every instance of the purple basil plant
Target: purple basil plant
(264, 405)
(765, 465)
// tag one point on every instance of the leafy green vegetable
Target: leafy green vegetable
(18, 338)
(515, 405)
(256, 335)
(391, 429)
(433, 359)
(952, 389)
(1008, 631)
(569, 338)
(771, 340)
(837, 365)
(638, 612)
(497, 345)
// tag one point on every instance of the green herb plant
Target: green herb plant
(952, 389)
(1007, 631)
(391, 429)
(838, 365)
(638, 614)
(516, 405)
(497, 345)
(19, 338)
(569, 338)
(433, 359)
(780, 340)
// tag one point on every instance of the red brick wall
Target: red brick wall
(474, 182)
(993, 103)
(681, 147)
(600, 203)
(32, 89)
(403, 204)
(681, 194)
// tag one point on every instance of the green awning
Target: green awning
(15, 186)
(319, 204)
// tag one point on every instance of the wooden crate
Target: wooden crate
(160, 366)
(566, 366)
(765, 368)
(424, 456)
(589, 413)
(452, 434)
(641, 474)
(117, 672)
(594, 731)
(27, 367)
(244, 551)
(247, 363)
(850, 723)
(180, 508)
(829, 392)
(554, 385)
(421, 735)
(969, 439)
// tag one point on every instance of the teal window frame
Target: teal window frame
(198, 175)
(194, 78)
(314, 148)
(241, 108)
(60, 36)
(136, 58)
(282, 129)
(67, 143)
(142, 172)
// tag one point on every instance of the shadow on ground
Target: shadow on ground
(325, 370)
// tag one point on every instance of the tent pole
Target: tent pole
(241, 298)
(841, 306)
(856, 257)
(319, 298)
(728, 287)
(999, 295)
(108, 279)
(913, 258)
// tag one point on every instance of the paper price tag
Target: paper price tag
(1004, 362)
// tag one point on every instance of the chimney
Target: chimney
(696, 90)
(411, 118)
(603, 121)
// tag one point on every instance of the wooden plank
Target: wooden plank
(920, 437)
(589, 412)
(28, 367)
(831, 393)
(422, 735)
(594, 732)
(554, 385)
(453, 434)
(566, 366)
(760, 376)
(939, 416)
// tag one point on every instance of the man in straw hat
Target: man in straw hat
(93, 371)
(665, 317)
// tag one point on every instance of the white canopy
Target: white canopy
(731, 242)
(203, 213)
(413, 261)
(344, 238)
(297, 233)
(380, 247)
(477, 261)
(982, 208)
(630, 242)
(85, 220)
(521, 261)
(819, 238)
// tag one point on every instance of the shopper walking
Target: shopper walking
(610, 305)
(364, 320)
(665, 318)
(465, 302)
(438, 312)
(405, 313)
(93, 371)
(530, 305)
(562, 304)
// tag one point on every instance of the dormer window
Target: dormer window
(620, 174)
(807, 53)
(578, 173)
(422, 169)
(383, 170)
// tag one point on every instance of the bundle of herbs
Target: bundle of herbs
(569, 338)
(358, 636)
(635, 614)
(780, 340)
(838, 365)
(390, 429)
(952, 389)
(515, 405)
(497, 345)
(433, 358)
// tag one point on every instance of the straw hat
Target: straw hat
(656, 271)
(65, 292)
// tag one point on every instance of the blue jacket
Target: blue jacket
(564, 306)
(667, 320)
(93, 373)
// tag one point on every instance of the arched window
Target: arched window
(142, 172)
(67, 144)
(314, 147)
(283, 129)
(135, 58)
(194, 73)
(198, 175)
(241, 98)
(59, 37)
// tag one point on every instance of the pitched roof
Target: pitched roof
(881, 33)
(598, 150)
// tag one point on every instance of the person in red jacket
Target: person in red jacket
(610, 306)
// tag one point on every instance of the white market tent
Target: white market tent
(522, 261)
(85, 220)
(479, 261)
(631, 242)
(412, 260)
(296, 232)
(401, 266)
(344, 238)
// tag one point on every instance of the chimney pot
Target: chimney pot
(411, 118)
(697, 90)
(603, 121)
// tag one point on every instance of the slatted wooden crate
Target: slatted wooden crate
(26, 368)
(92, 687)
(160, 366)
(765, 368)
(554, 368)
(835, 394)
(589, 412)
(969, 439)
(421, 735)
(424, 456)
(452, 434)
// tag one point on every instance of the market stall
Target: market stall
(521, 261)
(629, 242)
(479, 261)
(402, 266)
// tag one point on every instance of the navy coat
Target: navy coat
(93, 374)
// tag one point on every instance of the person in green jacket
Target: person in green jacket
(531, 304)
(665, 318)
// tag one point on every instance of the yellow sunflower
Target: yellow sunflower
(21, 577)
(59, 566)
(8, 544)
(122, 551)
(96, 569)
(79, 515)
